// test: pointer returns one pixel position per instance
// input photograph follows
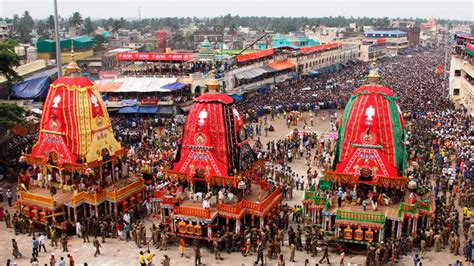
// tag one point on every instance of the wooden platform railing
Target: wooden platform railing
(192, 211)
(36, 198)
(247, 204)
(234, 209)
(361, 216)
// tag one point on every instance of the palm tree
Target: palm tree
(76, 20)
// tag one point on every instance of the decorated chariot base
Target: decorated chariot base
(77, 159)
(365, 198)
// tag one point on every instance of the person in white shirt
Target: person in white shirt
(42, 242)
(78, 229)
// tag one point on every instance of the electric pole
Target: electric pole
(56, 38)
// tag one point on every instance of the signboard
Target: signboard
(108, 74)
(130, 102)
(136, 56)
(148, 101)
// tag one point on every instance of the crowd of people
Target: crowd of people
(414, 86)
(438, 144)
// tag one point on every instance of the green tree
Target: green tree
(12, 115)
(76, 20)
(9, 60)
(24, 27)
(42, 30)
(89, 26)
(50, 24)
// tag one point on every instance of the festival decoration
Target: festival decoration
(370, 148)
(214, 142)
(75, 126)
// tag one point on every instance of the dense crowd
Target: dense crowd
(413, 85)
(439, 145)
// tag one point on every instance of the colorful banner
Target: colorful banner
(135, 56)
(108, 74)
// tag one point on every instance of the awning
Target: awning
(321, 47)
(282, 65)
(314, 72)
(254, 55)
(31, 89)
(45, 73)
(138, 84)
(147, 109)
(253, 73)
(470, 49)
(111, 87)
(128, 110)
(165, 110)
(172, 87)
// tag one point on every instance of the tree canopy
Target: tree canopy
(12, 115)
(9, 60)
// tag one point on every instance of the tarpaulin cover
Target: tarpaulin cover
(129, 110)
(172, 87)
(321, 47)
(110, 87)
(277, 66)
(237, 97)
(253, 73)
(254, 55)
(139, 84)
(148, 109)
(31, 89)
(76, 122)
(371, 134)
(165, 110)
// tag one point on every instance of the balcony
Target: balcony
(468, 67)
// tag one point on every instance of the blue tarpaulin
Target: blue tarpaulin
(148, 109)
(172, 87)
(236, 97)
(35, 86)
(128, 110)
(31, 89)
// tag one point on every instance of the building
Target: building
(215, 35)
(295, 40)
(461, 74)
(83, 47)
(161, 41)
(314, 59)
(396, 23)
(5, 29)
(205, 51)
(371, 49)
(396, 40)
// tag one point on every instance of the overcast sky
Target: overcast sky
(456, 9)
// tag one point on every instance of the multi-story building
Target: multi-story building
(316, 58)
(4, 30)
(461, 75)
(396, 40)
(373, 49)
(295, 40)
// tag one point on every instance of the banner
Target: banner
(149, 102)
(136, 56)
(108, 74)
